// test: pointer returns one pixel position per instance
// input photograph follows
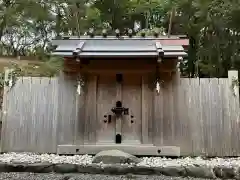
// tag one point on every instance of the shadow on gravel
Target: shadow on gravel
(53, 176)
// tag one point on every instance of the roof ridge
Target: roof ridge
(122, 38)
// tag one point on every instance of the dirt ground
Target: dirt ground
(6, 62)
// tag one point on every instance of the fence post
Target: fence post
(4, 107)
(233, 81)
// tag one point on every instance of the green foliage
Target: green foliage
(212, 26)
(48, 68)
(150, 32)
(14, 71)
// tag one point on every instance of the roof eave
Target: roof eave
(175, 54)
(118, 54)
(122, 55)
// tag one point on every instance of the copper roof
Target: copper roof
(112, 46)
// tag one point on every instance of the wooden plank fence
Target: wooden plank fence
(199, 115)
(38, 113)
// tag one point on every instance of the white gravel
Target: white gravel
(163, 162)
(86, 159)
(49, 158)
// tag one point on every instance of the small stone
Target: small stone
(116, 169)
(171, 171)
(65, 168)
(143, 170)
(16, 167)
(200, 172)
(3, 167)
(40, 168)
(89, 169)
(225, 172)
(115, 157)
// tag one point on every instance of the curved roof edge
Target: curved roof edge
(119, 48)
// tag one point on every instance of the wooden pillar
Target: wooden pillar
(67, 107)
(80, 113)
(233, 81)
(4, 107)
(147, 111)
(119, 118)
(91, 110)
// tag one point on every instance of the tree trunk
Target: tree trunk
(192, 56)
(172, 15)
(58, 22)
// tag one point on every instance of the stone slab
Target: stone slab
(137, 150)
(186, 171)
(115, 157)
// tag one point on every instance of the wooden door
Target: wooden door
(106, 99)
(103, 92)
(137, 96)
(131, 98)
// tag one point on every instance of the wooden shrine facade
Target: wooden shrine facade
(118, 80)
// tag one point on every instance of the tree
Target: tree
(212, 26)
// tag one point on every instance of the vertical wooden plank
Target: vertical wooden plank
(80, 113)
(86, 113)
(171, 111)
(4, 110)
(51, 109)
(233, 96)
(186, 143)
(199, 148)
(119, 119)
(230, 118)
(91, 111)
(226, 129)
(204, 113)
(221, 104)
(167, 113)
(204, 84)
(106, 100)
(209, 98)
(132, 123)
(214, 116)
(194, 121)
(181, 125)
(67, 115)
(236, 111)
(176, 121)
(93, 122)
(191, 117)
(147, 101)
(200, 118)
(158, 117)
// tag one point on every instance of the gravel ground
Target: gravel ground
(31, 176)
(51, 158)
(86, 159)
